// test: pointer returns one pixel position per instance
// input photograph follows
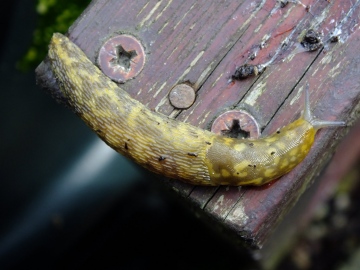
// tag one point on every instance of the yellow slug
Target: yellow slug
(169, 147)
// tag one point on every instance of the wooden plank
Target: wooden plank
(286, 234)
(202, 43)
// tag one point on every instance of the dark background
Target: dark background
(67, 201)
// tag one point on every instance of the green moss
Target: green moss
(53, 16)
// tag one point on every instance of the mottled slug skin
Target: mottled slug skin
(166, 146)
(256, 162)
(160, 144)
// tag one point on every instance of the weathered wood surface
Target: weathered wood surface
(282, 240)
(202, 43)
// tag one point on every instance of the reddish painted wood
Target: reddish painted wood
(221, 204)
(344, 161)
(202, 43)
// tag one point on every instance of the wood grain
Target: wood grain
(202, 43)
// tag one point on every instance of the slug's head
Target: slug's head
(317, 124)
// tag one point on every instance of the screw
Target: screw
(121, 58)
(182, 96)
(236, 122)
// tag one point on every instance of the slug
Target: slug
(172, 148)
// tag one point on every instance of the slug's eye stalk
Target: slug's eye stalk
(317, 124)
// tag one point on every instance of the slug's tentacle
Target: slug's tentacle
(317, 124)
(169, 147)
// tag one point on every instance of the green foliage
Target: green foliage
(53, 16)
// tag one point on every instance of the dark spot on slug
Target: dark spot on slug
(272, 153)
(192, 154)
(126, 146)
(251, 144)
(161, 158)
(278, 131)
(209, 143)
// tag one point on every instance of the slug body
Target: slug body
(169, 147)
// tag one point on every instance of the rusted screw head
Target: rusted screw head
(121, 58)
(182, 96)
(236, 124)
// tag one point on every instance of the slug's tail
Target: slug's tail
(317, 124)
